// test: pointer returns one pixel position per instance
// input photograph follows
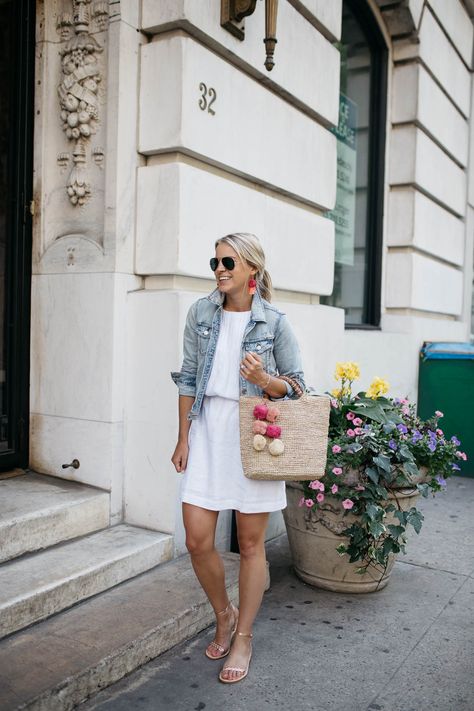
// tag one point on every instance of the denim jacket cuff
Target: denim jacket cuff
(186, 383)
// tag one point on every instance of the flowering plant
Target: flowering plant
(377, 445)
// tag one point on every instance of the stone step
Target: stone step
(37, 511)
(40, 584)
(60, 662)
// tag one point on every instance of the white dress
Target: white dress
(213, 478)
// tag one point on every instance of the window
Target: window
(360, 175)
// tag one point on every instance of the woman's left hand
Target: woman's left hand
(252, 368)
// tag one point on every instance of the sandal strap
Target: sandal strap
(245, 634)
(230, 605)
(218, 646)
(237, 669)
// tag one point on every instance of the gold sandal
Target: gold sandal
(238, 669)
(223, 651)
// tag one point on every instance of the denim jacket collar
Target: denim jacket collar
(257, 307)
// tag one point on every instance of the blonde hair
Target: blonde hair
(249, 249)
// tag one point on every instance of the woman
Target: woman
(235, 343)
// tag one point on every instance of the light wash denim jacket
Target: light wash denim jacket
(268, 333)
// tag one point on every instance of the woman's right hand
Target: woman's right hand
(180, 456)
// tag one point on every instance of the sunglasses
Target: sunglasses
(227, 263)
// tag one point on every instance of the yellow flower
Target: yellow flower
(377, 387)
(347, 371)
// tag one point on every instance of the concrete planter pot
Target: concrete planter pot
(314, 535)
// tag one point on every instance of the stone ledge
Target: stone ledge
(58, 663)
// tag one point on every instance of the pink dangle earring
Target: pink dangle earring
(252, 286)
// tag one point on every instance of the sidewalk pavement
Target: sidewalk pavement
(408, 647)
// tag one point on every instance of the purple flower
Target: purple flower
(456, 466)
(392, 444)
(432, 446)
(402, 428)
(416, 436)
(441, 481)
(455, 441)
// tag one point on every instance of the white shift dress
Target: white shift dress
(213, 478)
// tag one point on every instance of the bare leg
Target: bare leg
(200, 525)
(251, 534)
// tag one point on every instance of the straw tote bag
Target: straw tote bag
(304, 427)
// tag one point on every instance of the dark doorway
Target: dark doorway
(17, 38)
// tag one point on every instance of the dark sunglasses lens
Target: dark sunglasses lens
(228, 263)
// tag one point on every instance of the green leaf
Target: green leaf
(376, 528)
(402, 517)
(404, 453)
(396, 531)
(341, 549)
(416, 518)
(383, 462)
(373, 511)
(372, 474)
(424, 489)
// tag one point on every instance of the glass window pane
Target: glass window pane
(354, 140)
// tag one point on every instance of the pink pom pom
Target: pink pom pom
(259, 427)
(272, 414)
(273, 431)
(260, 412)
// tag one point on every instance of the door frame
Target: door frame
(18, 254)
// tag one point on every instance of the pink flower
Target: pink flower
(260, 411)
(273, 431)
(336, 448)
(358, 430)
(350, 433)
(337, 470)
(461, 455)
(319, 498)
(309, 502)
(357, 421)
(301, 501)
(347, 504)
(359, 487)
(334, 488)
(406, 410)
(350, 415)
(404, 400)
(316, 484)
(334, 402)
(439, 431)
(438, 413)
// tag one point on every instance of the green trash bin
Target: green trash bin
(446, 383)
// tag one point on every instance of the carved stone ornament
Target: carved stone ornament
(327, 516)
(78, 89)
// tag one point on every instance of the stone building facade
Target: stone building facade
(157, 130)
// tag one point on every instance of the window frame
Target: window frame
(376, 164)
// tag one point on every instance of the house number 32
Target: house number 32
(204, 102)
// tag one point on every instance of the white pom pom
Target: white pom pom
(276, 447)
(259, 442)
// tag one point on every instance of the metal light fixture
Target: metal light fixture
(233, 13)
